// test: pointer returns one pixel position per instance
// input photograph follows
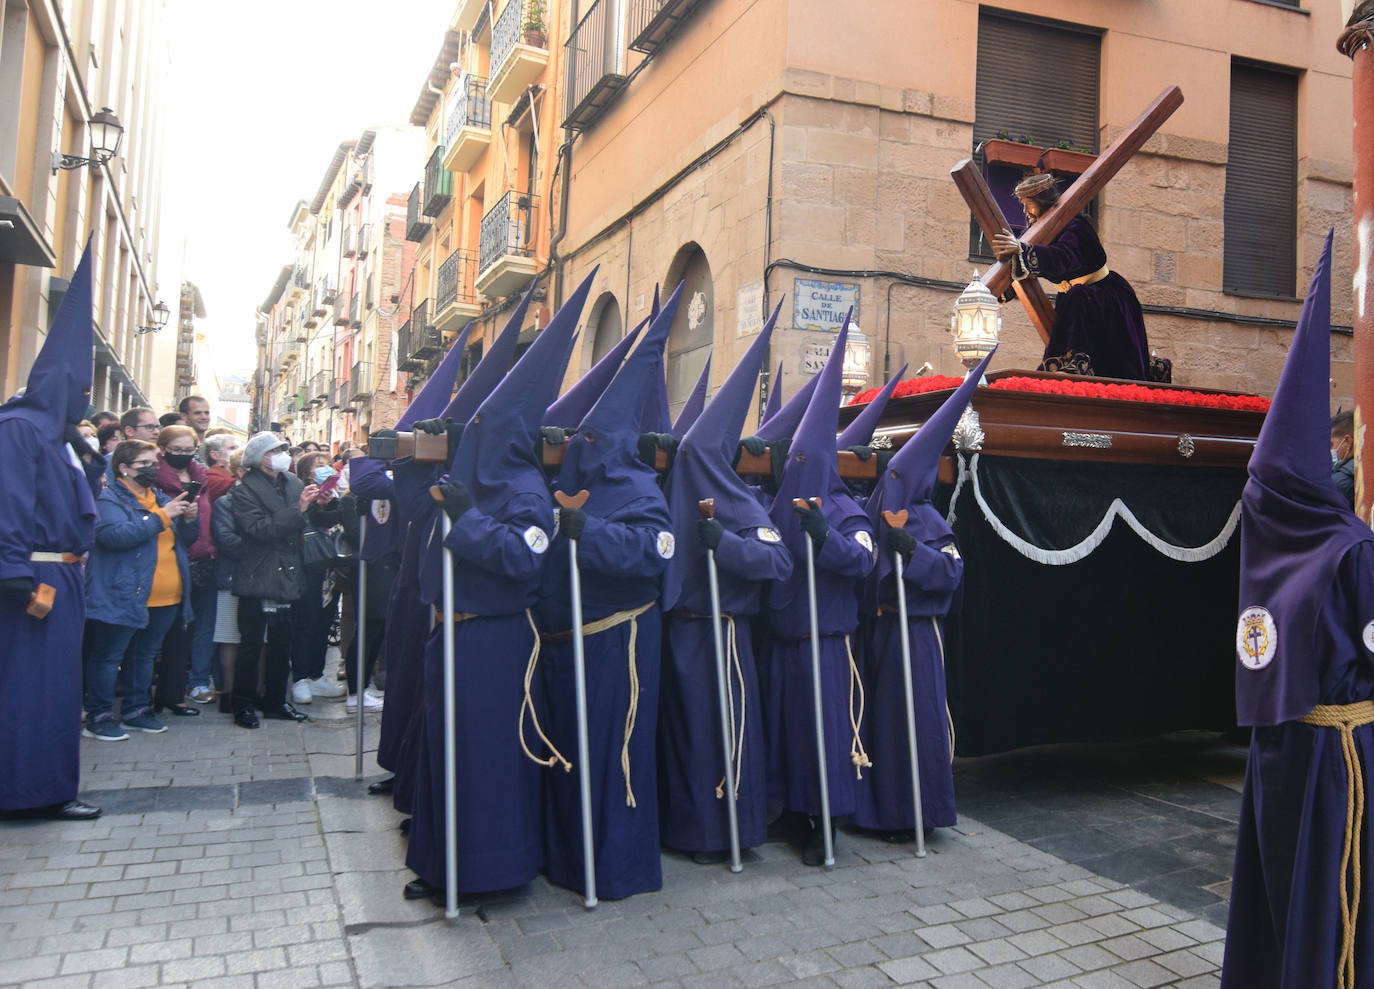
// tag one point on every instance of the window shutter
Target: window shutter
(1261, 210)
(1037, 80)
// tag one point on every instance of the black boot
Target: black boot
(418, 889)
(813, 847)
(379, 787)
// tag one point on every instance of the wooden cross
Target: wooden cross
(1075, 199)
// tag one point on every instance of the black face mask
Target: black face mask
(146, 476)
(180, 461)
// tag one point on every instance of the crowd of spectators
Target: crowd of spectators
(200, 589)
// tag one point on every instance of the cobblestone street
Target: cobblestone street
(252, 859)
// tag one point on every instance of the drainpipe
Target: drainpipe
(1356, 42)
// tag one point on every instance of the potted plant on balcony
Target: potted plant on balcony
(1026, 154)
(532, 24)
(1065, 158)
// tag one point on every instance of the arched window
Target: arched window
(605, 327)
(693, 331)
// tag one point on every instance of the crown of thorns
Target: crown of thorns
(1035, 186)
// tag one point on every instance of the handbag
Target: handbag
(320, 547)
(203, 572)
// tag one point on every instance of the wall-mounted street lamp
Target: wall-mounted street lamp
(160, 316)
(106, 134)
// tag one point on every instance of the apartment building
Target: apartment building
(81, 80)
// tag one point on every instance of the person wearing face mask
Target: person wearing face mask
(1343, 454)
(179, 473)
(316, 609)
(87, 449)
(137, 587)
(270, 506)
(215, 452)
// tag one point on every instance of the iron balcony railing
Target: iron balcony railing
(417, 225)
(471, 108)
(652, 22)
(520, 21)
(507, 229)
(320, 387)
(300, 277)
(438, 184)
(596, 63)
(361, 380)
(341, 394)
(455, 280)
(364, 238)
(353, 319)
(422, 341)
(403, 346)
(350, 242)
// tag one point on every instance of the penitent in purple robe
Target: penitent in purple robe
(1304, 640)
(499, 548)
(621, 555)
(1102, 320)
(843, 560)
(45, 506)
(692, 776)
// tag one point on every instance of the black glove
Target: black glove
(755, 446)
(383, 434)
(651, 443)
(455, 433)
(901, 541)
(17, 589)
(362, 506)
(710, 532)
(553, 435)
(571, 522)
(432, 426)
(457, 500)
(813, 521)
(862, 452)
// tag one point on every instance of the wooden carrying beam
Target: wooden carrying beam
(1092, 181)
(427, 448)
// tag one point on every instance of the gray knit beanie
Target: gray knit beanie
(259, 447)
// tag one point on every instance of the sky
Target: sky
(260, 95)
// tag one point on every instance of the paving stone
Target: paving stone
(909, 970)
(1146, 974)
(943, 936)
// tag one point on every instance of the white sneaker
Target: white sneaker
(323, 688)
(371, 702)
(300, 692)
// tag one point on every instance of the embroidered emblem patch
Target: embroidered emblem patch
(381, 511)
(951, 550)
(1257, 638)
(1368, 636)
(536, 539)
(767, 535)
(864, 540)
(666, 545)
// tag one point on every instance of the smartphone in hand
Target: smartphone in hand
(192, 489)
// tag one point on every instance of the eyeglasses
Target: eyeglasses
(181, 450)
(143, 463)
(153, 426)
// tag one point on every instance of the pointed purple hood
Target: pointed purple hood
(1295, 532)
(704, 468)
(774, 400)
(696, 401)
(783, 423)
(909, 480)
(491, 368)
(578, 400)
(859, 432)
(497, 456)
(434, 393)
(59, 384)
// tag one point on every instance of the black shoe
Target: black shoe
(182, 711)
(813, 848)
(285, 713)
(418, 889)
(405, 827)
(246, 718)
(72, 810)
(900, 836)
(710, 858)
(225, 704)
(379, 787)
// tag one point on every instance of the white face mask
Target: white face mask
(280, 461)
(93, 443)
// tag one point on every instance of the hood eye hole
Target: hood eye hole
(801, 458)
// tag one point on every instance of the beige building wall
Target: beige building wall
(861, 126)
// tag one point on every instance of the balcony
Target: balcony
(350, 242)
(364, 238)
(417, 226)
(465, 17)
(419, 341)
(361, 381)
(507, 258)
(365, 175)
(456, 300)
(298, 287)
(438, 184)
(290, 348)
(519, 49)
(469, 125)
(652, 22)
(596, 65)
(355, 319)
(341, 397)
(321, 388)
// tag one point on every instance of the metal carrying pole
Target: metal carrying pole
(804, 503)
(897, 520)
(450, 741)
(360, 643)
(584, 776)
(708, 511)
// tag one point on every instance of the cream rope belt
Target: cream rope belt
(527, 704)
(734, 672)
(589, 629)
(1346, 718)
(857, 755)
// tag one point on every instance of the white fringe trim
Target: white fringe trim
(1060, 557)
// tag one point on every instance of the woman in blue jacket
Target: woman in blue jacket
(137, 584)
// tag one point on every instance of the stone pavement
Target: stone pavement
(252, 859)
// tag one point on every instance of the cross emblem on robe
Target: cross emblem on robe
(1075, 199)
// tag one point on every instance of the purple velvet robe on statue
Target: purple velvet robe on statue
(1102, 320)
